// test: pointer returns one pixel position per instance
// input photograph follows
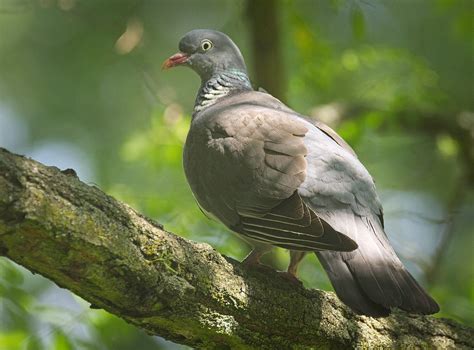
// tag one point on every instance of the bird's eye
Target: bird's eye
(206, 45)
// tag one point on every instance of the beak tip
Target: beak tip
(166, 65)
(175, 60)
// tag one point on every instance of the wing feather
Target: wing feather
(293, 224)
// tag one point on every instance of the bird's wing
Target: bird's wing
(245, 164)
(335, 177)
(339, 189)
(333, 135)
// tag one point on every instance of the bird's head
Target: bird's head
(207, 52)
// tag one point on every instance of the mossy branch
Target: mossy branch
(113, 257)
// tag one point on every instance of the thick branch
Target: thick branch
(110, 255)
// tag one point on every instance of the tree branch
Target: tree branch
(104, 251)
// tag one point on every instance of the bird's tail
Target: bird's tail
(372, 279)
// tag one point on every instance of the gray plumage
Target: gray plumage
(277, 178)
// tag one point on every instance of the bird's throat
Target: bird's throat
(220, 85)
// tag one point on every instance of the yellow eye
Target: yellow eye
(206, 45)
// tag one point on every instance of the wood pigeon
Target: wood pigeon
(278, 178)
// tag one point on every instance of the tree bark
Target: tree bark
(118, 260)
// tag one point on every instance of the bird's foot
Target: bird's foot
(253, 264)
(290, 277)
(253, 259)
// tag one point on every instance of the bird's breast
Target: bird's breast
(210, 174)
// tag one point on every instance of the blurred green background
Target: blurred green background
(81, 87)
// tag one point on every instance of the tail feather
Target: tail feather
(372, 279)
(416, 299)
(347, 288)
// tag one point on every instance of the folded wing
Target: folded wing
(248, 174)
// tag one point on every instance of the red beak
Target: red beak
(176, 60)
